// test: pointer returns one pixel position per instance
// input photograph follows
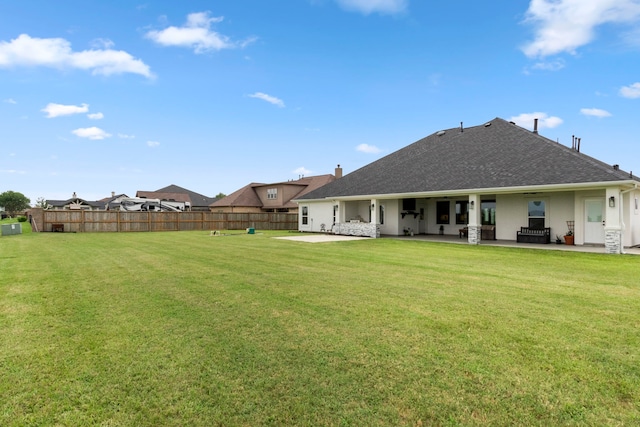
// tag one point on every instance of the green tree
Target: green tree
(220, 196)
(14, 202)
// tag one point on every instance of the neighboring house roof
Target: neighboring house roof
(77, 202)
(244, 197)
(112, 198)
(248, 195)
(113, 201)
(495, 155)
(179, 194)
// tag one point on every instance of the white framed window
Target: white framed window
(272, 193)
(305, 215)
(537, 212)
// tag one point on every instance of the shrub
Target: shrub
(22, 219)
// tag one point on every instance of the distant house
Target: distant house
(276, 197)
(76, 203)
(194, 201)
(496, 175)
(113, 202)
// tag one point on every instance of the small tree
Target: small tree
(41, 203)
(14, 202)
(220, 196)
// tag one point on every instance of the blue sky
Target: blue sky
(102, 96)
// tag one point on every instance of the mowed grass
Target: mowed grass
(185, 329)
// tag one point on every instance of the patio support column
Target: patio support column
(374, 211)
(613, 222)
(341, 214)
(475, 223)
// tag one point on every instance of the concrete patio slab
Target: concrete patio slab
(321, 238)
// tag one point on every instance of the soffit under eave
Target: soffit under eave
(627, 184)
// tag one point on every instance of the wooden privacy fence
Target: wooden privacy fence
(122, 221)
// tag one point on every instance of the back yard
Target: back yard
(186, 329)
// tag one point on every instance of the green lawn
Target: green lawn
(185, 329)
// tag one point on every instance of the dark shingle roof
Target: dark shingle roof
(196, 199)
(497, 154)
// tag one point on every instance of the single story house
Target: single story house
(496, 180)
(276, 197)
(76, 203)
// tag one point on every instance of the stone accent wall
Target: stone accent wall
(612, 240)
(364, 229)
(474, 234)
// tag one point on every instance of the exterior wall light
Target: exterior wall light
(373, 206)
(612, 202)
(473, 204)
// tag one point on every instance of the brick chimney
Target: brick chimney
(338, 172)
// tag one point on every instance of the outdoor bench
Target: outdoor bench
(534, 235)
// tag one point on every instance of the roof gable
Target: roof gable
(248, 196)
(245, 197)
(497, 154)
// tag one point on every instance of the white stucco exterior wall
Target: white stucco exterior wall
(318, 213)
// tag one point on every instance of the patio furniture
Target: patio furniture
(487, 232)
(534, 235)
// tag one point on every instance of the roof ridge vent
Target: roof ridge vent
(487, 124)
(440, 133)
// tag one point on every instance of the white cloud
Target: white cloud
(366, 148)
(555, 65)
(57, 110)
(56, 53)
(10, 101)
(152, 144)
(125, 136)
(525, 120)
(96, 116)
(565, 25)
(93, 133)
(595, 112)
(12, 171)
(302, 171)
(632, 91)
(270, 99)
(196, 34)
(372, 6)
(102, 44)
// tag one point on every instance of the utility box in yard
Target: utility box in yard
(10, 229)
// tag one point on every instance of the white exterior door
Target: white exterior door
(594, 221)
(305, 222)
